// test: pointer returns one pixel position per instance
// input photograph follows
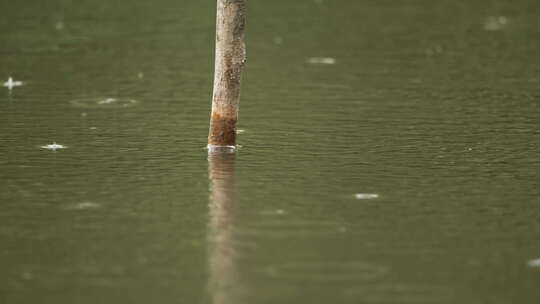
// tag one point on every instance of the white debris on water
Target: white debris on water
(495, 23)
(534, 263)
(321, 60)
(10, 83)
(54, 146)
(240, 131)
(84, 205)
(366, 195)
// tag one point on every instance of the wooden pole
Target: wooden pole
(230, 60)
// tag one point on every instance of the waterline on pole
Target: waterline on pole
(220, 149)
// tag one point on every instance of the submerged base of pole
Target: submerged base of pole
(220, 149)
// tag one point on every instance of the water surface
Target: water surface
(389, 154)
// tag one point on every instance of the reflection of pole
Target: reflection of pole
(223, 282)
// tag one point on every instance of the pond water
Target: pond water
(390, 154)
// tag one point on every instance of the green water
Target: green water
(430, 106)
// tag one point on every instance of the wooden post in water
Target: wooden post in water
(230, 60)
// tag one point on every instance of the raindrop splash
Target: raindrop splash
(54, 146)
(10, 83)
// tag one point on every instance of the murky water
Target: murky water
(390, 154)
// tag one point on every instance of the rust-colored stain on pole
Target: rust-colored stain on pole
(230, 60)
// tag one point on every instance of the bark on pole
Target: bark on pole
(230, 60)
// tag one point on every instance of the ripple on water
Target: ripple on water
(330, 271)
(272, 212)
(104, 103)
(273, 227)
(83, 206)
(402, 293)
(495, 23)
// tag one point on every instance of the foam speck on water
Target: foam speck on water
(366, 195)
